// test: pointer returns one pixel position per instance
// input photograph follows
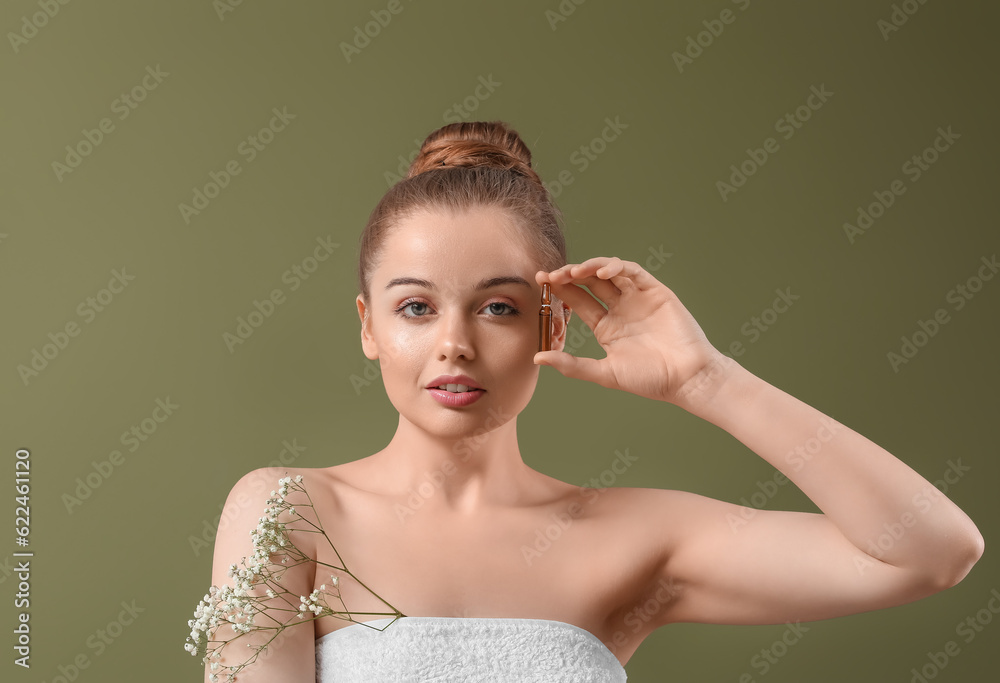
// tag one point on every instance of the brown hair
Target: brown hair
(462, 166)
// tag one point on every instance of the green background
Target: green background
(652, 187)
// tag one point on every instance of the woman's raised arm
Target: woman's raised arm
(885, 536)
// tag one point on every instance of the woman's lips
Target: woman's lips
(455, 399)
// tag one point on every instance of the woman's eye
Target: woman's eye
(498, 308)
(410, 304)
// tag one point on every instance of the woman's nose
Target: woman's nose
(455, 336)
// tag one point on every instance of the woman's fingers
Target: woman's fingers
(608, 278)
(628, 275)
(583, 304)
(574, 367)
(606, 290)
(625, 275)
(566, 284)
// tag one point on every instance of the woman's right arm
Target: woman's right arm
(290, 657)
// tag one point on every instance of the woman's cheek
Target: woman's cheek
(524, 342)
(407, 346)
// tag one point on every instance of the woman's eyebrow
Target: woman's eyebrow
(485, 283)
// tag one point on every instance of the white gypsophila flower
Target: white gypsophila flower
(238, 605)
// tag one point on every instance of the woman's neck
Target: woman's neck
(462, 473)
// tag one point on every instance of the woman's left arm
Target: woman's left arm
(878, 503)
(885, 536)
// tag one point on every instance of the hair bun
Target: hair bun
(475, 143)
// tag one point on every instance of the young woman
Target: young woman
(442, 523)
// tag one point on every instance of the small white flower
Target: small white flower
(240, 603)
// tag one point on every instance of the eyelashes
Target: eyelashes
(406, 304)
(510, 310)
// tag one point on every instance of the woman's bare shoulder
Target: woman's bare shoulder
(345, 474)
(336, 488)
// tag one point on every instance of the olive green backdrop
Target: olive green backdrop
(117, 301)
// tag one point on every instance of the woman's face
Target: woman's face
(455, 294)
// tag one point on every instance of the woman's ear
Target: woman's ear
(367, 338)
(560, 325)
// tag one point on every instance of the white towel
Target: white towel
(441, 649)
